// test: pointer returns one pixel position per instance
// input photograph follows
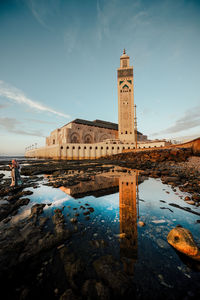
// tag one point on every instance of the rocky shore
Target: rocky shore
(35, 260)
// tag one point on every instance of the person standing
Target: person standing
(15, 174)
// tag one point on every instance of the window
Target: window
(112, 148)
(101, 148)
(90, 147)
(96, 147)
(61, 147)
(79, 147)
(53, 141)
(73, 147)
(117, 148)
(107, 148)
(67, 147)
(85, 147)
(126, 132)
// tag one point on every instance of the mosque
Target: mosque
(83, 139)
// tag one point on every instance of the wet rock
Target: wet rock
(141, 224)
(182, 240)
(91, 209)
(196, 197)
(191, 202)
(69, 295)
(37, 209)
(86, 213)
(73, 268)
(109, 270)
(94, 290)
(73, 220)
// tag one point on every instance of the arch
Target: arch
(88, 139)
(103, 137)
(75, 138)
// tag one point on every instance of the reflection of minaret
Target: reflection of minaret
(128, 220)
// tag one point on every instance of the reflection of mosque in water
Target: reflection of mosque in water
(127, 185)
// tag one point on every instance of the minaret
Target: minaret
(125, 100)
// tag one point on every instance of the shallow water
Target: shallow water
(112, 228)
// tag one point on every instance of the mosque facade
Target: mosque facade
(83, 139)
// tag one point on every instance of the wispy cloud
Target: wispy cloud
(42, 10)
(190, 119)
(40, 121)
(11, 124)
(18, 96)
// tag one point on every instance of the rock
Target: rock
(94, 290)
(182, 240)
(73, 268)
(109, 270)
(86, 213)
(141, 224)
(191, 202)
(69, 295)
(37, 209)
(91, 209)
(196, 197)
(73, 220)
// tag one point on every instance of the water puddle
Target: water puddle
(106, 214)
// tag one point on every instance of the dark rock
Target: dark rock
(109, 270)
(93, 290)
(69, 295)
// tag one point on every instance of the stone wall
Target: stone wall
(79, 133)
(85, 151)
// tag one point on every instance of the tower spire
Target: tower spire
(124, 52)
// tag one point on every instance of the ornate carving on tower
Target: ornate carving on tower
(125, 100)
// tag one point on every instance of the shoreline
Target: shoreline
(28, 243)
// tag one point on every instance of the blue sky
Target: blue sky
(58, 62)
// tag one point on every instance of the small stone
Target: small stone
(73, 220)
(141, 224)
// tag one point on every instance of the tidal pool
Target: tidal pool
(108, 209)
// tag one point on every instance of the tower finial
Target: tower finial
(124, 52)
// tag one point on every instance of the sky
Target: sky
(59, 60)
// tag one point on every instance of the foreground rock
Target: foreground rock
(182, 240)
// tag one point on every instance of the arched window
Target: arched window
(88, 139)
(75, 139)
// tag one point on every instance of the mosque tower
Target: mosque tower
(125, 100)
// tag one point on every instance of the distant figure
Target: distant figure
(15, 173)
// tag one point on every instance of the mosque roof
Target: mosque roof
(98, 123)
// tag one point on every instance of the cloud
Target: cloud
(40, 121)
(16, 95)
(191, 119)
(10, 124)
(42, 10)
